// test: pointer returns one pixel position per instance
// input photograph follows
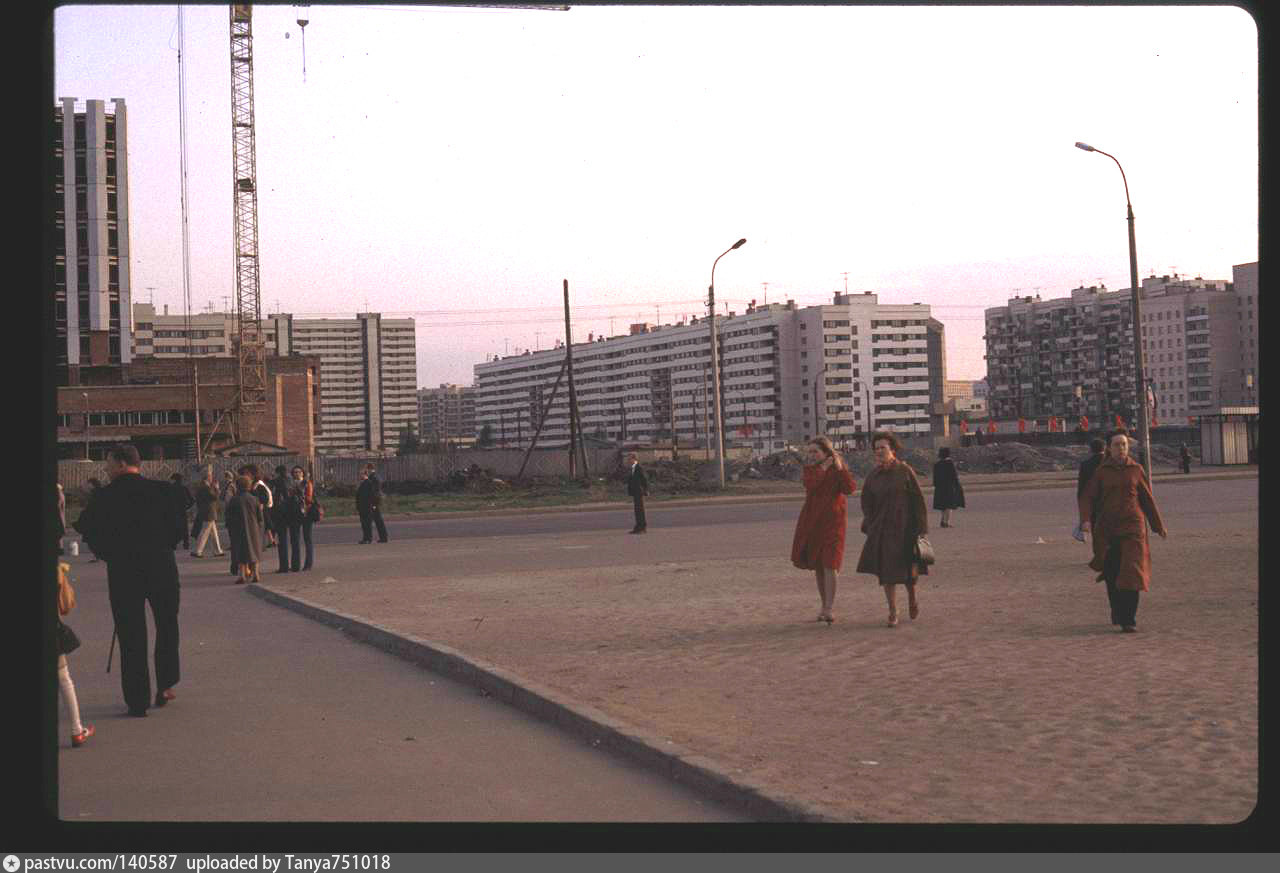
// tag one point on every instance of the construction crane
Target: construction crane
(249, 341)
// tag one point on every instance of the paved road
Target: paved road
(282, 719)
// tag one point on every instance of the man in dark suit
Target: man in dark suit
(638, 488)
(1097, 451)
(368, 500)
(134, 524)
(187, 500)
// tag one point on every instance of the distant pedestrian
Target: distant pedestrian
(62, 517)
(638, 488)
(282, 517)
(893, 515)
(947, 492)
(208, 503)
(369, 505)
(310, 514)
(818, 543)
(244, 528)
(229, 492)
(1097, 451)
(135, 524)
(1116, 506)
(1184, 457)
(187, 501)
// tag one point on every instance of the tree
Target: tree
(485, 440)
(409, 442)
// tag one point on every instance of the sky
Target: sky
(456, 166)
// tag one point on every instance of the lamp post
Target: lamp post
(1144, 431)
(715, 360)
(85, 395)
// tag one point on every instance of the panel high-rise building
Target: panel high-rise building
(447, 414)
(90, 199)
(787, 373)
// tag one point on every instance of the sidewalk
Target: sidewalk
(1010, 700)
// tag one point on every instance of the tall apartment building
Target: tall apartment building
(90, 200)
(368, 393)
(787, 373)
(1245, 279)
(447, 414)
(1074, 355)
(370, 376)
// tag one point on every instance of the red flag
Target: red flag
(1022, 425)
(1053, 423)
(1119, 421)
(964, 426)
(991, 426)
(1084, 422)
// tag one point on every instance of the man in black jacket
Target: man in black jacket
(134, 524)
(368, 500)
(638, 488)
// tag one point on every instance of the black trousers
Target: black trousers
(289, 544)
(1124, 604)
(129, 586)
(638, 500)
(368, 518)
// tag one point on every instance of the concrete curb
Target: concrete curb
(1064, 479)
(683, 766)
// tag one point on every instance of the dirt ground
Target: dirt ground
(1009, 700)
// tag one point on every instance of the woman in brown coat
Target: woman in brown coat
(818, 544)
(1119, 505)
(244, 525)
(893, 515)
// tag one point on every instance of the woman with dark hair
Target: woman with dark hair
(244, 526)
(947, 493)
(818, 544)
(893, 515)
(1118, 505)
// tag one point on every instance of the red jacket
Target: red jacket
(819, 538)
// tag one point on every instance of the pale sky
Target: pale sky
(457, 165)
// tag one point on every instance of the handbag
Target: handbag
(316, 512)
(68, 642)
(924, 551)
(66, 594)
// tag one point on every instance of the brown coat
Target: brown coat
(893, 515)
(819, 537)
(1119, 501)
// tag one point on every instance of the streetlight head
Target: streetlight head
(1085, 146)
(739, 243)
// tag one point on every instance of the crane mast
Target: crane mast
(250, 341)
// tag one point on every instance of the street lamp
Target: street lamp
(1144, 432)
(85, 395)
(715, 360)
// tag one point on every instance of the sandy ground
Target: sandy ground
(1009, 700)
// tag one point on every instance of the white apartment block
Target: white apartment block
(786, 373)
(368, 366)
(368, 377)
(90, 211)
(447, 414)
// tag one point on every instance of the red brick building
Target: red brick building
(152, 403)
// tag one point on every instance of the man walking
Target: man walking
(638, 488)
(368, 504)
(134, 524)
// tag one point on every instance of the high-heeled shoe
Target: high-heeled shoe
(913, 610)
(893, 619)
(827, 617)
(86, 731)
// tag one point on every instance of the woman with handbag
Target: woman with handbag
(894, 517)
(818, 544)
(68, 642)
(1118, 505)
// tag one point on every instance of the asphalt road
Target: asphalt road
(279, 718)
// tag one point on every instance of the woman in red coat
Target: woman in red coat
(819, 541)
(1118, 504)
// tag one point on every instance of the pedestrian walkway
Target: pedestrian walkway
(281, 719)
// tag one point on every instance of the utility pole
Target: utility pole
(195, 391)
(573, 395)
(671, 403)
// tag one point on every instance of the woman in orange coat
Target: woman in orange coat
(1119, 503)
(818, 544)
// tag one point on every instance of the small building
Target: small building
(1229, 436)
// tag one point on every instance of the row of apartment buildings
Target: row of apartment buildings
(786, 373)
(1074, 356)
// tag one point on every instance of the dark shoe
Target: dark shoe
(163, 697)
(382, 541)
(1129, 629)
(913, 610)
(86, 731)
(240, 579)
(306, 568)
(283, 570)
(138, 712)
(364, 542)
(194, 555)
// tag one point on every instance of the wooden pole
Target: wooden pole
(195, 398)
(573, 396)
(542, 418)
